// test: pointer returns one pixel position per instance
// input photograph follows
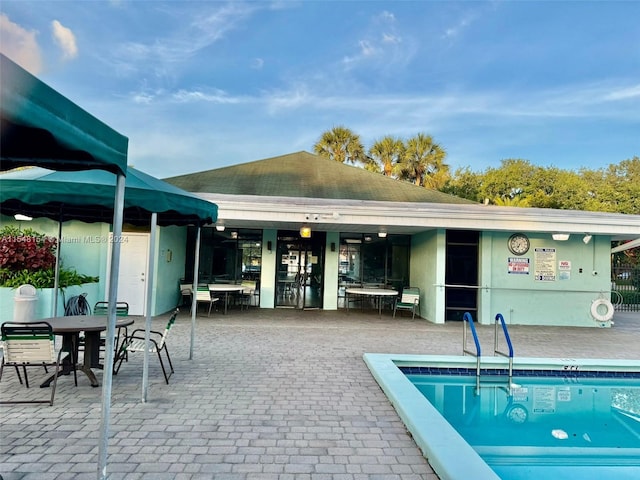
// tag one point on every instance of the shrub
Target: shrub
(27, 256)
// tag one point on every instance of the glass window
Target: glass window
(229, 256)
(372, 261)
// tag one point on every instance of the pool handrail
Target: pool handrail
(468, 319)
(500, 319)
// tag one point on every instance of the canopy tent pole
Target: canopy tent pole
(194, 293)
(56, 277)
(118, 215)
(147, 324)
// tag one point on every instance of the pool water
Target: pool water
(544, 427)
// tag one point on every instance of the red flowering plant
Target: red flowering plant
(27, 256)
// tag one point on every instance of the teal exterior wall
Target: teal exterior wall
(331, 261)
(171, 254)
(582, 275)
(268, 273)
(424, 274)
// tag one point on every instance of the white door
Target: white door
(132, 276)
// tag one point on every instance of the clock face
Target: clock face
(518, 244)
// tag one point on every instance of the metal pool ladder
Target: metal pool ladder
(468, 319)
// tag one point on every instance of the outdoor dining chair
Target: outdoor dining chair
(31, 344)
(203, 295)
(157, 344)
(122, 310)
(409, 300)
(186, 293)
(102, 308)
(247, 293)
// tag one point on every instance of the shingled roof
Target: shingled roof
(305, 175)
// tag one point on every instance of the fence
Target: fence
(625, 287)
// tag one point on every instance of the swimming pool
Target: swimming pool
(536, 410)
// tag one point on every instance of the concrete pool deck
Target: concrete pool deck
(270, 394)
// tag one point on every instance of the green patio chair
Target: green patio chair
(31, 344)
(157, 344)
(409, 300)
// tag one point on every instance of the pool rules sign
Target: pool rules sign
(544, 264)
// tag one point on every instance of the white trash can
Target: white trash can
(24, 304)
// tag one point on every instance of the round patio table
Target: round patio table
(69, 328)
(376, 293)
(226, 288)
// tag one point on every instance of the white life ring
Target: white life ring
(600, 316)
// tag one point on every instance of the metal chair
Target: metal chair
(122, 310)
(186, 290)
(157, 344)
(203, 295)
(31, 344)
(410, 300)
(247, 293)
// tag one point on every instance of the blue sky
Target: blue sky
(197, 85)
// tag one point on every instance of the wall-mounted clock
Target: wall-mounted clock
(518, 244)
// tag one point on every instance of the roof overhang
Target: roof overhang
(286, 213)
(626, 246)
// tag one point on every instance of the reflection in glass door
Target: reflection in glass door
(300, 270)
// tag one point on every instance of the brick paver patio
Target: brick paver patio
(270, 394)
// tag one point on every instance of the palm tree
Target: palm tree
(387, 153)
(423, 162)
(340, 144)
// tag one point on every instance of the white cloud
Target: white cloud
(20, 45)
(462, 24)
(257, 63)
(197, 30)
(366, 49)
(388, 16)
(65, 39)
(390, 38)
(215, 96)
(624, 93)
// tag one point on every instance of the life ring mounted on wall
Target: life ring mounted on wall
(602, 317)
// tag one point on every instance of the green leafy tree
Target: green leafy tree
(387, 153)
(465, 183)
(513, 176)
(616, 188)
(342, 145)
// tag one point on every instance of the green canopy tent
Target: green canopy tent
(85, 196)
(39, 126)
(88, 196)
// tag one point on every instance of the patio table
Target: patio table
(69, 328)
(376, 293)
(226, 288)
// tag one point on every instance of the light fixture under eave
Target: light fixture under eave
(587, 238)
(220, 227)
(305, 232)
(382, 233)
(560, 237)
(19, 216)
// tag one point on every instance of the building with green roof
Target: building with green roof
(371, 231)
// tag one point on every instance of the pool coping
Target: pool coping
(450, 456)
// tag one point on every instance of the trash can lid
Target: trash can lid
(26, 291)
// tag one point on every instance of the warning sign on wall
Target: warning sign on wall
(518, 265)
